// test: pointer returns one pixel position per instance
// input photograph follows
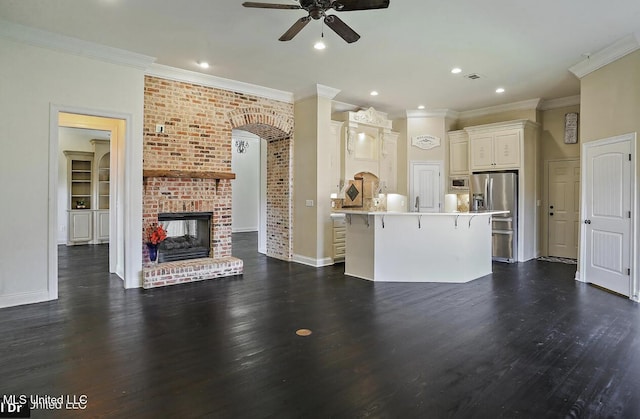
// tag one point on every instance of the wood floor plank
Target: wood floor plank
(526, 341)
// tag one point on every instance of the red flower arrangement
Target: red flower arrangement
(156, 234)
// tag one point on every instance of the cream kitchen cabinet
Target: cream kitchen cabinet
(497, 150)
(339, 237)
(458, 152)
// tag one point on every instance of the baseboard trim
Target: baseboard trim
(577, 277)
(24, 298)
(316, 263)
(245, 230)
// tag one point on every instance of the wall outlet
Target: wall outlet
(159, 129)
(309, 202)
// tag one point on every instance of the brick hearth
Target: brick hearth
(171, 273)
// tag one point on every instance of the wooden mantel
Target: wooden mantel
(147, 173)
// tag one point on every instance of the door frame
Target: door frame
(635, 258)
(545, 200)
(126, 214)
(414, 163)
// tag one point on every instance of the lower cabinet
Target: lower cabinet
(88, 227)
(339, 234)
(101, 226)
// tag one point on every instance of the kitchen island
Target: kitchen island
(418, 247)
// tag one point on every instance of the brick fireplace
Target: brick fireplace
(187, 168)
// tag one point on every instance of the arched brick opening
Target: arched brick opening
(277, 129)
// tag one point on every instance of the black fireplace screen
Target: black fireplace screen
(188, 236)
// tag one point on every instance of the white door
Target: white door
(425, 187)
(607, 215)
(563, 212)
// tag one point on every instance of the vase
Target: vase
(153, 252)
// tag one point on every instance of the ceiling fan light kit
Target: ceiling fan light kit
(317, 9)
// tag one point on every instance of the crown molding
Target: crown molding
(207, 80)
(435, 113)
(318, 90)
(326, 91)
(49, 40)
(524, 105)
(562, 102)
(607, 55)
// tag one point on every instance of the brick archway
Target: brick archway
(277, 129)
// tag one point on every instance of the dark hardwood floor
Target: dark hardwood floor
(527, 341)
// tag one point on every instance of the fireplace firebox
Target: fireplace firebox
(188, 236)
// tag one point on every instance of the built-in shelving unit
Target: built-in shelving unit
(89, 189)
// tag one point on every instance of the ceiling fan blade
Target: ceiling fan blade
(350, 5)
(297, 27)
(271, 5)
(341, 28)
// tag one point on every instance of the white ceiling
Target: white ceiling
(406, 51)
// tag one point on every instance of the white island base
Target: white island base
(418, 247)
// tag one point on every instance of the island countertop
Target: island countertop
(418, 247)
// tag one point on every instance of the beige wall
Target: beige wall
(610, 99)
(552, 135)
(552, 147)
(305, 169)
(400, 126)
(426, 126)
(34, 79)
(325, 146)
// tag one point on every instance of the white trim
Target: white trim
(74, 46)
(245, 230)
(320, 90)
(130, 270)
(562, 102)
(607, 55)
(207, 80)
(634, 291)
(21, 299)
(577, 277)
(524, 105)
(516, 124)
(435, 113)
(316, 263)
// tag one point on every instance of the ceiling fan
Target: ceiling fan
(317, 9)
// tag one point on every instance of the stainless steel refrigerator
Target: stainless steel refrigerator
(498, 191)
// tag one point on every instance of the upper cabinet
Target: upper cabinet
(496, 146)
(367, 144)
(458, 152)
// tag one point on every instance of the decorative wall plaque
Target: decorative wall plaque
(571, 128)
(425, 142)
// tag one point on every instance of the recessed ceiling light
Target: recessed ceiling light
(203, 64)
(374, 93)
(456, 70)
(421, 107)
(500, 90)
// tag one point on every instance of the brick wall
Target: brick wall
(198, 121)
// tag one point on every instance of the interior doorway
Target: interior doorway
(92, 211)
(249, 197)
(563, 215)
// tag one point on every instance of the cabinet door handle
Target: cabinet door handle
(551, 214)
(587, 221)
